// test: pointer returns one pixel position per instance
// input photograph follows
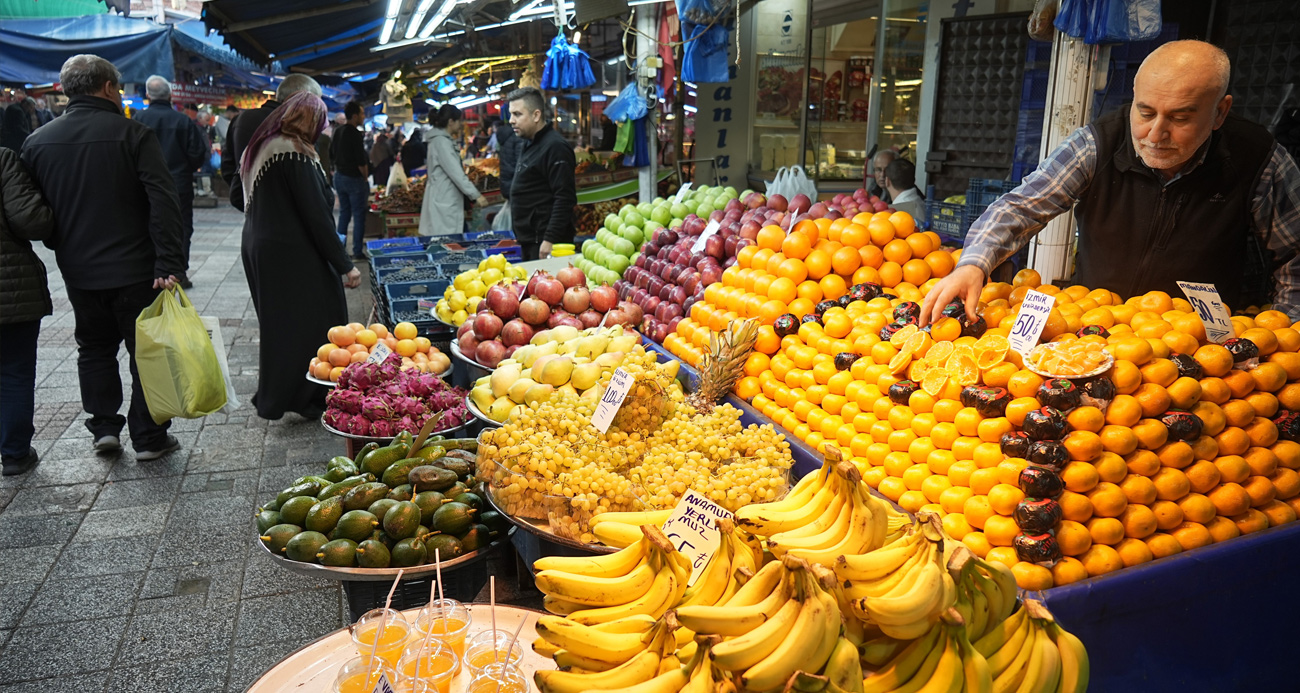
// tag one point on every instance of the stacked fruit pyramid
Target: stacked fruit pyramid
(799, 595)
(1180, 443)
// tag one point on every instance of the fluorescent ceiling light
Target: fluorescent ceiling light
(614, 60)
(418, 18)
(519, 12)
(390, 19)
(472, 102)
(689, 108)
(443, 12)
(498, 87)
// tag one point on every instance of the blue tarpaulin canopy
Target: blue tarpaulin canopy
(35, 49)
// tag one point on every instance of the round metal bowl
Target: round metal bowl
(444, 432)
(381, 574)
(544, 533)
(478, 414)
(1096, 371)
(318, 381)
(476, 369)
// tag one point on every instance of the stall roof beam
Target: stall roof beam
(332, 44)
(302, 14)
(211, 7)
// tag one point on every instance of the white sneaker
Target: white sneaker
(107, 444)
(170, 444)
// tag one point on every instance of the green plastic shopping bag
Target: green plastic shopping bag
(178, 368)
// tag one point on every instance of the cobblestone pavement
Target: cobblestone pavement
(122, 575)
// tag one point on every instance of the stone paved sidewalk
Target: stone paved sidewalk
(121, 575)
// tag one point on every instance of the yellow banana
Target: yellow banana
(928, 666)
(803, 489)
(655, 601)
(996, 599)
(732, 620)
(878, 651)
(617, 534)
(561, 607)
(1000, 634)
(854, 629)
(975, 668)
(544, 648)
(1006, 582)
(640, 623)
(759, 586)
(819, 524)
(917, 603)
(1044, 671)
(1014, 673)
(716, 576)
(701, 676)
(900, 579)
(589, 642)
(636, 519)
(780, 543)
(596, 591)
(571, 661)
(876, 564)
(904, 666)
(798, 649)
(640, 668)
(830, 631)
(750, 648)
(979, 602)
(765, 521)
(1074, 660)
(670, 681)
(843, 668)
(860, 537)
(609, 565)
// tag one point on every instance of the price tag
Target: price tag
(1210, 309)
(682, 192)
(382, 685)
(1030, 321)
(380, 353)
(709, 230)
(693, 530)
(619, 383)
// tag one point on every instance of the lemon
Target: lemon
(491, 275)
(457, 301)
(496, 262)
(459, 317)
(472, 305)
(463, 279)
(475, 288)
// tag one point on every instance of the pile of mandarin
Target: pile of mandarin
(1137, 485)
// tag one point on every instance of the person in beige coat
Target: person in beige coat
(443, 211)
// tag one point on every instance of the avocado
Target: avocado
(422, 530)
(471, 499)
(342, 486)
(404, 437)
(365, 450)
(336, 474)
(456, 489)
(340, 553)
(377, 461)
(470, 444)
(431, 478)
(428, 501)
(453, 518)
(355, 525)
(495, 521)
(267, 519)
(313, 478)
(443, 546)
(402, 520)
(476, 538)
(304, 546)
(372, 553)
(381, 536)
(340, 461)
(397, 472)
(409, 552)
(277, 536)
(324, 515)
(401, 493)
(294, 510)
(362, 495)
(306, 488)
(381, 507)
(460, 468)
(273, 505)
(429, 453)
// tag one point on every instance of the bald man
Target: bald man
(1166, 190)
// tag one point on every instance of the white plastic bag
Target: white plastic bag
(799, 182)
(502, 220)
(213, 325)
(396, 178)
(778, 184)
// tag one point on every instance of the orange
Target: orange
(1004, 555)
(1151, 434)
(1083, 445)
(916, 271)
(1067, 571)
(983, 480)
(1139, 489)
(818, 264)
(1086, 418)
(1143, 462)
(1288, 453)
(1202, 476)
(1278, 513)
(1286, 483)
(1215, 360)
(882, 232)
(1126, 376)
(1261, 432)
(977, 543)
(1138, 520)
(1000, 530)
(1215, 391)
(1108, 499)
(1222, 529)
(1027, 277)
(977, 510)
(1024, 383)
(1153, 399)
(953, 499)
(871, 256)
(1004, 498)
(898, 251)
(810, 291)
(1118, 439)
(1264, 403)
(1184, 393)
(783, 289)
(845, 260)
(903, 224)
(1124, 410)
(1289, 361)
(1133, 552)
(1162, 545)
(1100, 560)
(1167, 513)
(1075, 506)
(1161, 372)
(1250, 521)
(1263, 338)
(797, 245)
(1073, 537)
(1262, 461)
(1240, 383)
(1232, 468)
(1110, 467)
(855, 236)
(1105, 530)
(1260, 489)
(770, 237)
(891, 273)
(1031, 576)
(1080, 477)
(833, 286)
(940, 262)
(1192, 535)
(1229, 499)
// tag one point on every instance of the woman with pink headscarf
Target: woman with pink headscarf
(293, 260)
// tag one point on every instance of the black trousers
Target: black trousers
(185, 193)
(530, 250)
(106, 319)
(17, 387)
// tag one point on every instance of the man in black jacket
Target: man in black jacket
(117, 239)
(543, 194)
(245, 124)
(184, 147)
(350, 170)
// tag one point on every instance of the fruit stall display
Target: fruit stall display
(548, 464)
(563, 359)
(389, 507)
(889, 606)
(512, 314)
(1176, 444)
(354, 343)
(621, 236)
(403, 200)
(588, 219)
(461, 299)
(384, 399)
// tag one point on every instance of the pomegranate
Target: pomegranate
(590, 318)
(490, 353)
(503, 301)
(516, 332)
(534, 311)
(557, 316)
(618, 317)
(571, 276)
(487, 325)
(548, 289)
(604, 298)
(634, 312)
(468, 343)
(576, 299)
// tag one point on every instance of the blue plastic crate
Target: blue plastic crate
(393, 273)
(948, 219)
(409, 258)
(388, 246)
(430, 289)
(404, 310)
(981, 192)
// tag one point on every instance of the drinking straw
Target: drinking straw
(442, 597)
(383, 622)
(492, 596)
(429, 632)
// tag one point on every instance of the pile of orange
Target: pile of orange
(354, 342)
(1133, 492)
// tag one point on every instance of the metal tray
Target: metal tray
(456, 353)
(474, 411)
(542, 531)
(350, 436)
(380, 574)
(313, 667)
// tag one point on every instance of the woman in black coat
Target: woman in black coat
(24, 217)
(292, 255)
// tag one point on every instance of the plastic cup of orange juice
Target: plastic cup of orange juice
(434, 663)
(388, 644)
(361, 674)
(498, 678)
(489, 647)
(447, 620)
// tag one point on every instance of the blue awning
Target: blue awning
(35, 49)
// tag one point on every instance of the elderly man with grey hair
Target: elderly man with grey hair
(185, 149)
(245, 124)
(879, 163)
(117, 239)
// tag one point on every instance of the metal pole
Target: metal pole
(646, 53)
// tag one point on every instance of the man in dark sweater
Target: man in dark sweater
(117, 239)
(245, 124)
(348, 154)
(543, 194)
(184, 147)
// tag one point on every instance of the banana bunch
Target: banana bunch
(735, 558)
(986, 592)
(646, 578)
(779, 622)
(808, 500)
(618, 656)
(902, 587)
(942, 659)
(1030, 653)
(622, 529)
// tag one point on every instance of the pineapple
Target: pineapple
(723, 364)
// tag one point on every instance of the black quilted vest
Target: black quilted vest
(1137, 235)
